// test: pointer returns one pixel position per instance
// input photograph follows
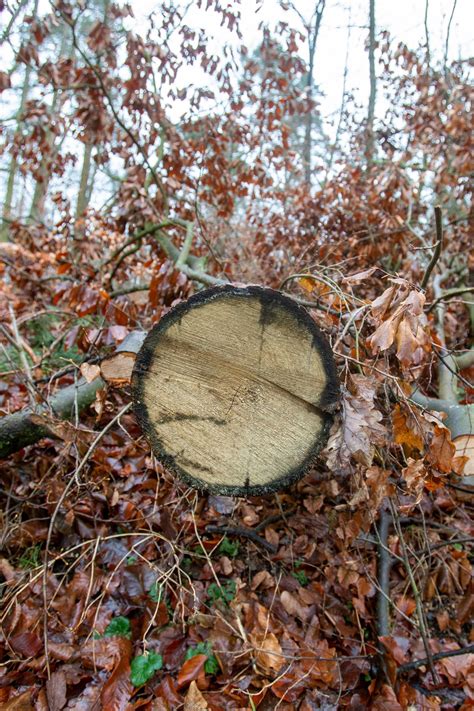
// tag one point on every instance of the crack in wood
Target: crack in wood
(182, 417)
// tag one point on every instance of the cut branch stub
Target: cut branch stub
(234, 389)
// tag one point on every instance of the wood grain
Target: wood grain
(233, 390)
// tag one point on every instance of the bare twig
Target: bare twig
(416, 594)
(449, 294)
(30, 386)
(122, 257)
(435, 657)
(385, 564)
(427, 33)
(184, 254)
(244, 533)
(446, 47)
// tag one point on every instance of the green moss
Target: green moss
(225, 592)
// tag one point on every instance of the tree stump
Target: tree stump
(234, 390)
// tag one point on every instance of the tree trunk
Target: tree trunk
(373, 85)
(234, 390)
(12, 171)
(42, 184)
(84, 193)
(313, 33)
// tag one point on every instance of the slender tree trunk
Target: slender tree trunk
(313, 32)
(427, 33)
(85, 184)
(12, 172)
(448, 32)
(42, 184)
(343, 102)
(373, 85)
(84, 192)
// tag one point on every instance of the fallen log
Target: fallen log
(234, 389)
(27, 426)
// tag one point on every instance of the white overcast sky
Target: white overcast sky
(404, 19)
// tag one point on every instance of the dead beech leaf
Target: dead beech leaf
(415, 475)
(272, 536)
(56, 690)
(377, 480)
(442, 450)
(222, 504)
(118, 688)
(405, 604)
(264, 579)
(402, 321)
(384, 336)
(294, 607)
(360, 430)
(22, 702)
(406, 430)
(390, 298)
(117, 369)
(397, 647)
(28, 644)
(268, 652)
(457, 669)
(194, 700)
(90, 372)
(442, 618)
(359, 276)
(307, 284)
(192, 669)
(385, 700)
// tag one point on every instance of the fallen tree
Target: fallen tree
(30, 425)
(234, 389)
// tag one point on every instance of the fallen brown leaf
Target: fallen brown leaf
(194, 700)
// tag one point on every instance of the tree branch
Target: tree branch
(244, 533)
(26, 427)
(384, 566)
(435, 657)
(464, 360)
(448, 294)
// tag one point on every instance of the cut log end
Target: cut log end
(234, 389)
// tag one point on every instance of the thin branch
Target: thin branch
(244, 533)
(434, 658)
(438, 247)
(30, 386)
(427, 32)
(184, 254)
(416, 593)
(384, 566)
(138, 236)
(123, 290)
(122, 257)
(447, 386)
(448, 294)
(446, 48)
(14, 15)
